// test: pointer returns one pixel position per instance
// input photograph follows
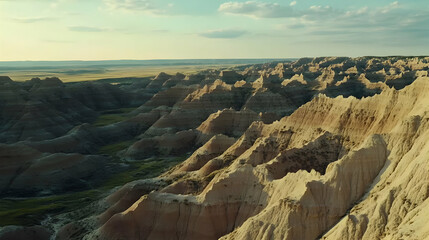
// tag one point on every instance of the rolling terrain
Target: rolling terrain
(330, 147)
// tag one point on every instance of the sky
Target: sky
(200, 29)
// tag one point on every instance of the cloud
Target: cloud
(320, 9)
(33, 20)
(57, 3)
(376, 25)
(257, 9)
(225, 33)
(319, 13)
(146, 6)
(159, 8)
(390, 7)
(88, 29)
(132, 5)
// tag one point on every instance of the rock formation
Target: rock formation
(331, 148)
(301, 175)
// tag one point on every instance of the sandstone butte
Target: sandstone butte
(347, 159)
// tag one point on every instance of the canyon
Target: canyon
(317, 148)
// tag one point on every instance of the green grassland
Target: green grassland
(74, 74)
(113, 149)
(31, 211)
(112, 116)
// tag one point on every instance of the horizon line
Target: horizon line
(173, 59)
(151, 59)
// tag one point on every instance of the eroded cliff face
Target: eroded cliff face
(336, 168)
(316, 148)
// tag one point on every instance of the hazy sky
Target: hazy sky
(163, 29)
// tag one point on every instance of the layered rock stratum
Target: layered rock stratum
(330, 148)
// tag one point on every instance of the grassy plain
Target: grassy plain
(90, 74)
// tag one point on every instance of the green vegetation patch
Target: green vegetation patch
(127, 80)
(119, 111)
(31, 211)
(139, 170)
(112, 116)
(113, 149)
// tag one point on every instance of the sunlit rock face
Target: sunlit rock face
(331, 148)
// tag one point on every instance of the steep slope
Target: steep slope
(233, 123)
(261, 193)
(43, 109)
(28, 172)
(328, 146)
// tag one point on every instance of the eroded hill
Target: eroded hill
(323, 147)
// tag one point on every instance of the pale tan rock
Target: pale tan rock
(350, 163)
(213, 148)
(231, 122)
(257, 172)
(305, 208)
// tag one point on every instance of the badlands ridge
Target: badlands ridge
(330, 148)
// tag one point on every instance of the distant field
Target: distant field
(76, 71)
(95, 74)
